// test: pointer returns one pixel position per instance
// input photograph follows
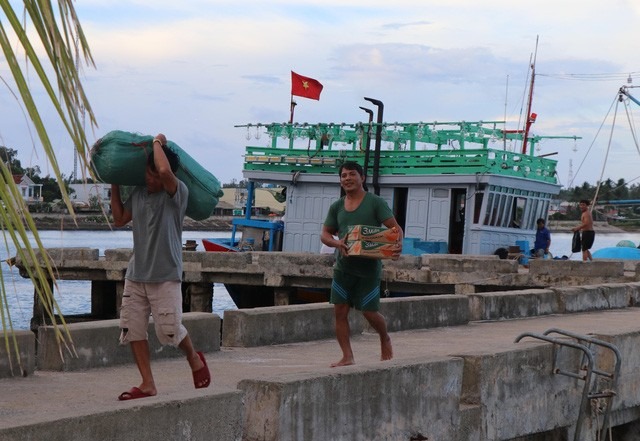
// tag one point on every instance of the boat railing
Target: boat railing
(405, 148)
(406, 162)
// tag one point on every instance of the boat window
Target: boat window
(544, 207)
(518, 213)
(477, 208)
(507, 212)
(441, 193)
(499, 221)
(489, 210)
(529, 213)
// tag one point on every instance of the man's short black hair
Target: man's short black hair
(172, 157)
(351, 165)
(586, 202)
(540, 220)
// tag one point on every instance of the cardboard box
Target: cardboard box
(372, 234)
(373, 250)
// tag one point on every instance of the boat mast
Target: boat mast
(530, 117)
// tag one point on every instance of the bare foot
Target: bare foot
(386, 349)
(343, 362)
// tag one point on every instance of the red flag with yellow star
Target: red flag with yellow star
(305, 87)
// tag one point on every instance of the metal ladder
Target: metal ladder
(585, 372)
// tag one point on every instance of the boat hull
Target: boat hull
(252, 296)
(218, 245)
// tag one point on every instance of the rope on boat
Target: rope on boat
(606, 157)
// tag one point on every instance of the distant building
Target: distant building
(83, 193)
(234, 201)
(30, 191)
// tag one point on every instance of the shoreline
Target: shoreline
(95, 221)
(599, 227)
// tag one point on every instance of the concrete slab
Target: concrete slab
(22, 365)
(96, 343)
(182, 417)
(298, 323)
(420, 398)
(48, 397)
(285, 324)
(513, 304)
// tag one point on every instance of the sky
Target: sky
(194, 69)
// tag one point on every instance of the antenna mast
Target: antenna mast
(531, 117)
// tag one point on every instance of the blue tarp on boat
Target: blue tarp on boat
(624, 253)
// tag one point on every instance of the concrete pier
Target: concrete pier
(285, 274)
(457, 375)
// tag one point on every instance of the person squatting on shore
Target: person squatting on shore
(154, 274)
(356, 280)
(543, 239)
(586, 225)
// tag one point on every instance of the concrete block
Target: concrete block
(634, 294)
(204, 417)
(518, 392)
(81, 254)
(118, 254)
(270, 259)
(282, 324)
(60, 256)
(421, 312)
(576, 268)
(420, 398)
(404, 262)
(459, 263)
(414, 275)
(591, 298)
(627, 386)
(96, 343)
(220, 261)
(10, 364)
(512, 304)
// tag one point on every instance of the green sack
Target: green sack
(121, 158)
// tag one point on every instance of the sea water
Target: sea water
(74, 296)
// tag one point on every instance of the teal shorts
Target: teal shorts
(362, 293)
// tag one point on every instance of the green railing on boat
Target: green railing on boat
(420, 162)
(455, 148)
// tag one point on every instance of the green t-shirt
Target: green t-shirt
(373, 210)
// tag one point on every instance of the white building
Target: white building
(83, 194)
(30, 191)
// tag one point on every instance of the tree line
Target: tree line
(609, 190)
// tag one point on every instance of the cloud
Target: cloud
(396, 26)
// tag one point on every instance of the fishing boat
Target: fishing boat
(457, 187)
(454, 187)
(219, 245)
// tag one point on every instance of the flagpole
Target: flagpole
(293, 106)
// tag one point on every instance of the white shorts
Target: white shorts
(163, 300)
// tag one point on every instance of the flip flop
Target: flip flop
(202, 377)
(133, 394)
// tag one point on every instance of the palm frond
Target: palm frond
(62, 40)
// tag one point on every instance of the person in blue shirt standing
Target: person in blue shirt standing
(543, 239)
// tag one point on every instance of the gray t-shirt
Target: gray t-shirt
(157, 234)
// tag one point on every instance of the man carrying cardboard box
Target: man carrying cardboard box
(356, 280)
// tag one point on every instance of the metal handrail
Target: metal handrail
(613, 376)
(587, 377)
